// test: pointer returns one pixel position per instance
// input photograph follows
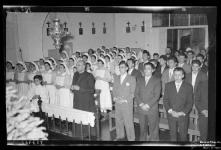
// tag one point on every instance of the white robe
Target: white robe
(64, 97)
(42, 92)
(105, 96)
(51, 90)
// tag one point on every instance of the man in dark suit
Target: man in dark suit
(178, 102)
(146, 57)
(156, 72)
(147, 94)
(132, 71)
(168, 74)
(201, 103)
(196, 75)
(123, 93)
(163, 65)
(182, 62)
(168, 52)
(203, 67)
(190, 57)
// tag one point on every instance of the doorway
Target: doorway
(186, 37)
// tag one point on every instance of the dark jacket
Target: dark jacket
(181, 101)
(148, 94)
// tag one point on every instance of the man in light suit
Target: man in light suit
(182, 62)
(201, 102)
(168, 75)
(123, 93)
(178, 102)
(147, 94)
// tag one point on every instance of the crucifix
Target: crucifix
(93, 28)
(65, 29)
(142, 27)
(128, 27)
(104, 28)
(80, 29)
(48, 28)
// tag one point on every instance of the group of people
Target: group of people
(127, 80)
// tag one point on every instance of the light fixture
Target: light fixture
(57, 31)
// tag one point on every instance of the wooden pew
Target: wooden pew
(50, 112)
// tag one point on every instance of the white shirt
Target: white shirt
(194, 75)
(130, 71)
(38, 90)
(147, 79)
(145, 62)
(178, 85)
(162, 68)
(170, 72)
(180, 65)
(122, 77)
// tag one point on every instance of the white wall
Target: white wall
(35, 43)
(153, 39)
(135, 38)
(30, 35)
(89, 40)
(12, 46)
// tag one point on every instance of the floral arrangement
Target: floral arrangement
(21, 125)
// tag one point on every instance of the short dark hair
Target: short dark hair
(42, 59)
(88, 64)
(121, 56)
(150, 64)
(182, 54)
(101, 54)
(190, 52)
(123, 63)
(91, 50)
(153, 60)
(93, 56)
(8, 62)
(99, 60)
(180, 69)
(48, 64)
(200, 55)
(131, 59)
(196, 62)
(164, 57)
(146, 52)
(155, 54)
(172, 58)
(107, 56)
(40, 78)
(51, 60)
(84, 55)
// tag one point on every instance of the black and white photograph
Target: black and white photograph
(110, 75)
